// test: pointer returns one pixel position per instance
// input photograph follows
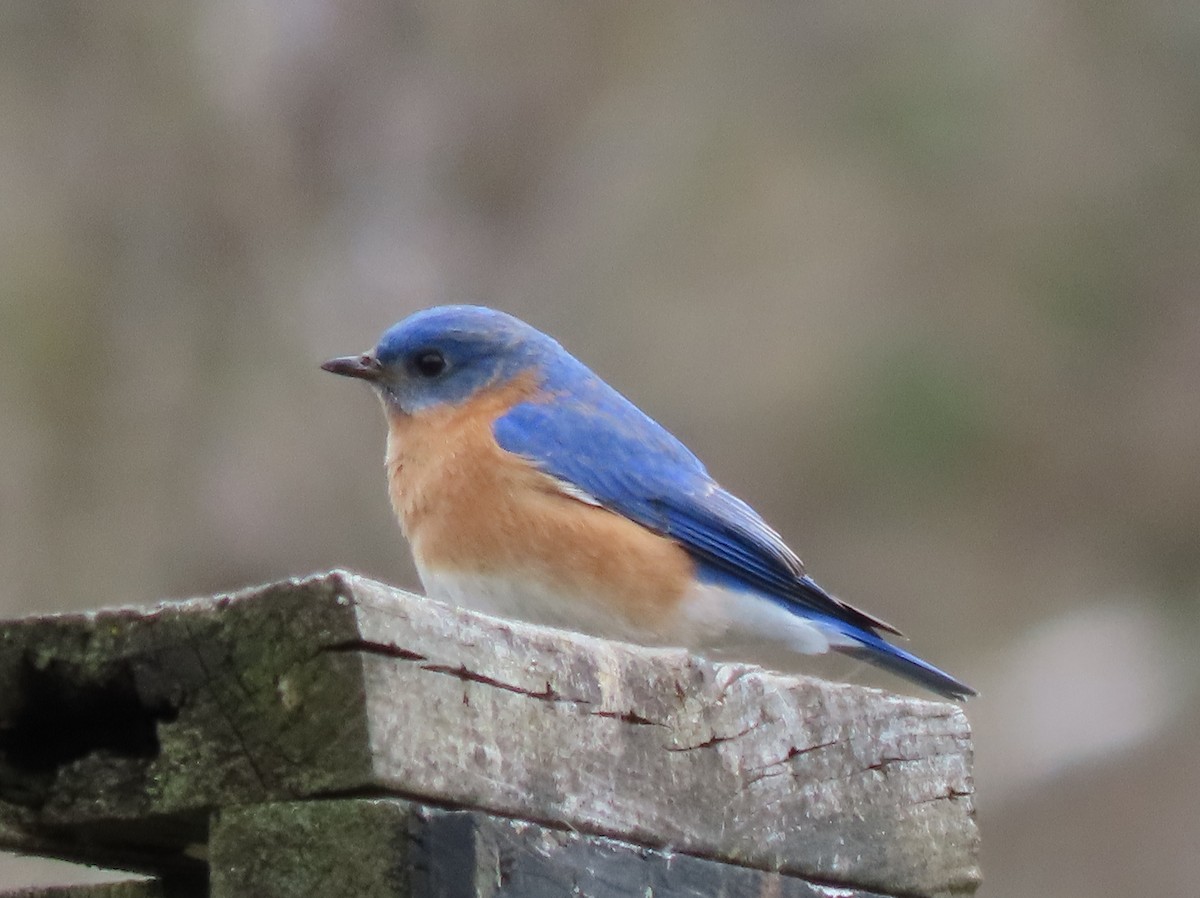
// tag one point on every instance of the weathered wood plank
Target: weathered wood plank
(132, 888)
(389, 848)
(336, 684)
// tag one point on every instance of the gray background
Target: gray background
(918, 281)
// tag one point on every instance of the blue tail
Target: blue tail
(883, 654)
(853, 631)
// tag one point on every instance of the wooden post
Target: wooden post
(389, 745)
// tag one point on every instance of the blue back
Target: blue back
(586, 433)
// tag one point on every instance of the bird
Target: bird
(528, 487)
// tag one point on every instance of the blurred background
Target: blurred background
(919, 282)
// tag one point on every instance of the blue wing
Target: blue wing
(597, 441)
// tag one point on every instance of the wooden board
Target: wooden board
(388, 848)
(133, 888)
(121, 730)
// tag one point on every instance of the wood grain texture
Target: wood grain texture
(389, 848)
(121, 730)
(133, 888)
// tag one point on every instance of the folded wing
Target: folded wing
(597, 442)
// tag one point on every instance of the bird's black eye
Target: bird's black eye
(429, 363)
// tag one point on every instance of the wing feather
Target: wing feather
(600, 445)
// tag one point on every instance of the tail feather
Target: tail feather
(869, 647)
(843, 629)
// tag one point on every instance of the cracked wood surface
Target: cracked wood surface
(120, 731)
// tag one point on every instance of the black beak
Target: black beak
(364, 367)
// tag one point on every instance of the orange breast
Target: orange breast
(467, 506)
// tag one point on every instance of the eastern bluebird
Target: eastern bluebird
(527, 486)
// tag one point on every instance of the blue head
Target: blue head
(447, 354)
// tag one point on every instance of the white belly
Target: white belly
(713, 620)
(527, 600)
